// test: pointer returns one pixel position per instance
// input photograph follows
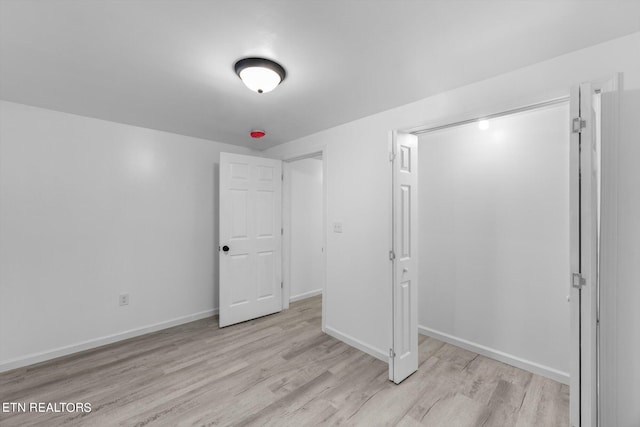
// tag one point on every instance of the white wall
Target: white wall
(628, 240)
(494, 238)
(357, 171)
(90, 209)
(358, 186)
(306, 228)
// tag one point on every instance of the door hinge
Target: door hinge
(282, 231)
(392, 354)
(392, 255)
(282, 177)
(577, 124)
(392, 156)
(577, 281)
(281, 285)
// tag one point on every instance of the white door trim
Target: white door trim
(608, 383)
(574, 261)
(597, 228)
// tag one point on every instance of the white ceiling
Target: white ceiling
(168, 65)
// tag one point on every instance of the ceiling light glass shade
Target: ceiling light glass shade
(259, 74)
(261, 80)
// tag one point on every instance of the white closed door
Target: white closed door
(404, 354)
(250, 247)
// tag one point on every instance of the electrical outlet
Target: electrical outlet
(124, 299)
(337, 227)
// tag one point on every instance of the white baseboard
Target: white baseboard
(353, 342)
(527, 365)
(305, 295)
(97, 342)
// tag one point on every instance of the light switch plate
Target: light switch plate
(337, 227)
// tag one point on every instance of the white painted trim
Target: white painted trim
(498, 355)
(608, 272)
(98, 342)
(501, 113)
(305, 295)
(574, 263)
(325, 218)
(286, 235)
(353, 342)
(390, 149)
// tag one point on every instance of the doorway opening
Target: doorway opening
(272, 235)
(494, 238)
(589, 198)
(495, 241)
(304, 230)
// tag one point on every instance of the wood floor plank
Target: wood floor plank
(465, 411)
(546, 403)
(279, 370)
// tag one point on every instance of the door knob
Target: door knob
(225, 248)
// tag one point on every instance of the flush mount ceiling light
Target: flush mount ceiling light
(259, 74)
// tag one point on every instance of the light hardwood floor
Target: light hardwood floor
(279, 370)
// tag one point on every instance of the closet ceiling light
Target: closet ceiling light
(259, 74)
(483, 124)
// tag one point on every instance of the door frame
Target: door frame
(608, 274)
(596, 260)
(452, 121)
(286, 226)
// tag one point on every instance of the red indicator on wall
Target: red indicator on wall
(257, 134)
